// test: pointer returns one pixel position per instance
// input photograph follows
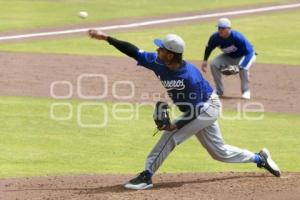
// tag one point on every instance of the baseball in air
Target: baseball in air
(83, 14)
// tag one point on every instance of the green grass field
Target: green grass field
(271, 40)
(29, 14)
(33, 144)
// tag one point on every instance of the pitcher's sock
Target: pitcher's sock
(257, 159)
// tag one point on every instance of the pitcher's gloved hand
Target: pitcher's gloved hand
(170, 127)
(161, 116)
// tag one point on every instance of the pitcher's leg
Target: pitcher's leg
(212, 141)
(211, 138)
(160, 152)
(169, 140)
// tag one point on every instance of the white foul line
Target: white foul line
(148, 23)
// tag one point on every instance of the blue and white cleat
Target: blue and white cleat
(268, 163)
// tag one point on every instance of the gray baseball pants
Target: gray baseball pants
(206, 128)
(227, 60)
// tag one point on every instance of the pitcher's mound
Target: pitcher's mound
(166, 186)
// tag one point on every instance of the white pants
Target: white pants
(205, 127)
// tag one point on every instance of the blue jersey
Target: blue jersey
(236, 45)
(185, 86)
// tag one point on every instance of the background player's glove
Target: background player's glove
(229, 69)
(161, 115)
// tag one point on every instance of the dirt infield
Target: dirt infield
(166, 186)
(276, 87)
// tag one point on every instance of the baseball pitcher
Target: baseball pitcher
(196, 100)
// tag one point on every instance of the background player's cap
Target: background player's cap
(171, 42)
(224, 23)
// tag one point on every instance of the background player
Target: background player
(195, 98)
(236, 49)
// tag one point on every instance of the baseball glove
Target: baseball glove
(229, 69)
(161, 115)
